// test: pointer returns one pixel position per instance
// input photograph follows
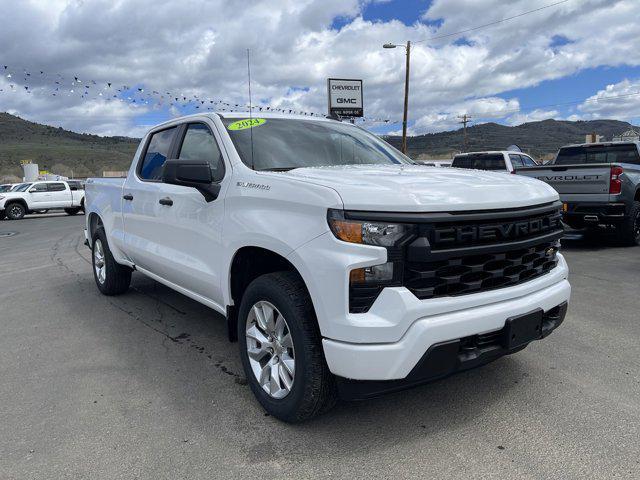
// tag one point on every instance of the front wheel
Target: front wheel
(111, 277)
(71, 211)
(15, 211)
(281, 350)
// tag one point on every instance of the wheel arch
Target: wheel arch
(94, 222)
(21, 201)
(248, 263)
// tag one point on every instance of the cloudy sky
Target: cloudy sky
(576, 60)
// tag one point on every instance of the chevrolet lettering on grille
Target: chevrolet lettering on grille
(513, 230)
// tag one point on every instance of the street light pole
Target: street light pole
(407, 48)
(406, 100)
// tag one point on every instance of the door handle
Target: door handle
(165, 201)
(128, 196)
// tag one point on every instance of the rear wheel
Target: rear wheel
(281, 350)
(15, 211)
(576, 224)
(111, 277)
(629, 231)
(71, 211)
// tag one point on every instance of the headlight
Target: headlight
(366, 232)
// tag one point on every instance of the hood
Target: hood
(415, 188)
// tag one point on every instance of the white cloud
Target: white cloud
(620, 100)
(199, 47)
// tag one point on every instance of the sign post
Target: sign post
(345, 97)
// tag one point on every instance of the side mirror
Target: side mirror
(191, 173)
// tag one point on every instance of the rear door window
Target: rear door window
(56, 187)
(480, 162)
(156, 154)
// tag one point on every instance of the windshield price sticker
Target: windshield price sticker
(246, 123)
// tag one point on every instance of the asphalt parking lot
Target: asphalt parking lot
(146, 385)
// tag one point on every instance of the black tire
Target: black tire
(15, 211)
(313, 390)
(117, 278)
(2, 215)
(629, 231)
(576, 224)
(71, 211)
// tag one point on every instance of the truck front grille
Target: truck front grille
(464, 274)
(468, 252)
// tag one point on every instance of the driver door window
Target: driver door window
(40, 196)
(200, 144)
(38, 188)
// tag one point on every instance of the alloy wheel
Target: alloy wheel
(98, 262)
(270, 349)
(15, 211)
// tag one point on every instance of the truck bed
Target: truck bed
(106, 191)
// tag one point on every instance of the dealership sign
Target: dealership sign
(345, 97)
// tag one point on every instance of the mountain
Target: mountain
(82, 155)
(60, 151)
(538, 138)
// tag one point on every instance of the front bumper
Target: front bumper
(464, 317)
(446, 358)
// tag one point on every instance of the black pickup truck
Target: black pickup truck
(599, 184)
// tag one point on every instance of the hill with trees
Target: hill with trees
(82, 155)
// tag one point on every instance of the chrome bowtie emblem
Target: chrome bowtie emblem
(550, 252)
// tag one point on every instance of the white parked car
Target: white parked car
(41, 196)
(340, 265)
(499, 161)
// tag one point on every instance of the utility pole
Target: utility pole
(464, 119)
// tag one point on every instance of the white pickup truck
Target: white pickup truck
(341, 267)
(38, 196)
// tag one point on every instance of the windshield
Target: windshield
(480, 162)
(284, 144)
(22, 187)
(626, 153)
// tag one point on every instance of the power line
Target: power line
(437, 37)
